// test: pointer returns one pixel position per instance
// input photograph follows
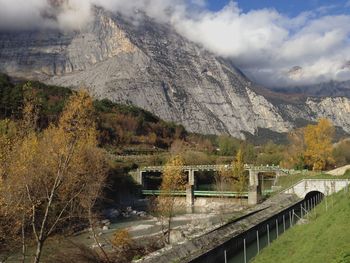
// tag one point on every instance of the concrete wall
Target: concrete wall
(325, 186)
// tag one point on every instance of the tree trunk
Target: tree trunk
(169, 222)
(23, 241)
(92, 225)
(42, 237)
(39, 247)
(169, 225)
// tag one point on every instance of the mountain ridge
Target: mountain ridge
(150, 65)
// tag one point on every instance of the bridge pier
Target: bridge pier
(191, 178)
(278, 173)
(189, 198)
(254, 189)
(190, 190)
(140, 179)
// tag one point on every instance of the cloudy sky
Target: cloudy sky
(264, 38)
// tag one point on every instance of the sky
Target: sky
(274, 42)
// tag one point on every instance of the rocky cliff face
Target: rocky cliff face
(152, 66)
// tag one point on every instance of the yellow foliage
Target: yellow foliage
(121, 239)
(238, 171)
(173, 180)
(8, 132)
(318, 141)
(173, 177)
(52, 176)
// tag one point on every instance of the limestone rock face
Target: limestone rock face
(335, 109)
(47, 53)
(150, 65)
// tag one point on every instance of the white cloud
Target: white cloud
(28, 14)
(263, 43)
(266, 44)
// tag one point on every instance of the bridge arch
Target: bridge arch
(313, 193)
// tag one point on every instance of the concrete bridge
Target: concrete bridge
(324, 186)
(254, 189)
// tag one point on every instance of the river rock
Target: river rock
(105, 222)
(142, 214)
(134, 212)
(111, 213)
(176, 236)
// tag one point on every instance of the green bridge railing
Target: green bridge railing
(205, 193)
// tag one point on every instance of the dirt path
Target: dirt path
(339, 171)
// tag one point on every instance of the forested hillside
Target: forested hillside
(119, 125)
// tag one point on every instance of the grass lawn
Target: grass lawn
(347, 173)
(325, 239)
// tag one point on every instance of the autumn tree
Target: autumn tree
(173, 180)
(15, 138)
(223, 179)
(318, 141)
(8, 131)
(294, 152)
(10, 224)
(239, 172)
(54, 177)
(341, 153)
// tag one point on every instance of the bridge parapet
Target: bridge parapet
(214, 167)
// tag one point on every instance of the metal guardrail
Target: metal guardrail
(216, 167)
(204, 193)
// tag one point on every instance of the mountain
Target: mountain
(150, 65)
(333, 88)
(324, 89)
(295, 72)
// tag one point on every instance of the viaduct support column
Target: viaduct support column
(189, 198)
(278, 173)
(254, 191)
(141, 178)
(191, 179)
(190, 191)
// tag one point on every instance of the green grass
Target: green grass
(325, 239)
